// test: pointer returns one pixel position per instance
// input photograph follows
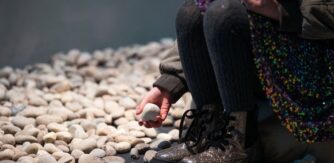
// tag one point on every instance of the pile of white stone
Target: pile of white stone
(81, 107)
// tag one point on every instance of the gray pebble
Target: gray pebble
(21, 121)
(142, 148)
(10, 129)
(85, 145)
(66, 159)
(134, 154)
(19, 139)
(17, 108)
(160, 144)
(76, 153)
(6, 154)
(122, 147)
(98, 153)
(86, 158)
(5, 111)
(149, 155)
(114, 159)
(7, 139)
(47, 119)
(31, 148)
(46, 158)
(110, 150)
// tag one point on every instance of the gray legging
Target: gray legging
(215, 53)
(216, 57)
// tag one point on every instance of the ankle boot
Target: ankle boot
(245, 124)
(232, 152)
(210, 138)
(172, 154)
(228, 146)
(192, 141)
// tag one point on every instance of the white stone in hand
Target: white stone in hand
(150, 112)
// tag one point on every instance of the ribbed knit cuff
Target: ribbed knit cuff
(172, 84)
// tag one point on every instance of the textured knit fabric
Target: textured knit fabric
(194, 56)
(226, 29)
(212, 56)
(298, 77)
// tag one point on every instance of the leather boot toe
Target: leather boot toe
(187, 160)
(172, 154)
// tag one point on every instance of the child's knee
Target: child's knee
(188, 15)
(224, 16)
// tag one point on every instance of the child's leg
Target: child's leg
(194, 55)
(227, 33)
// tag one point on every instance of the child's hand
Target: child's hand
(268, 8)
(160, 98)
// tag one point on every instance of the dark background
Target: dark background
(33, 30)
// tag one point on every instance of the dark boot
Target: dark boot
(245, 124)
(189, 142)
(224, 141)
(209, 128)
(227, 146)
(231, 153)
(172, 154)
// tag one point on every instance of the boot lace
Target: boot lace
(209, 128)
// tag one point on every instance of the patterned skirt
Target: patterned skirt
(298, 78)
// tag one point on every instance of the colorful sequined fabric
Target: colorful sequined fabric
(298, 77)
(203, 4)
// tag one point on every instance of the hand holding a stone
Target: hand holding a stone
(160, 98)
